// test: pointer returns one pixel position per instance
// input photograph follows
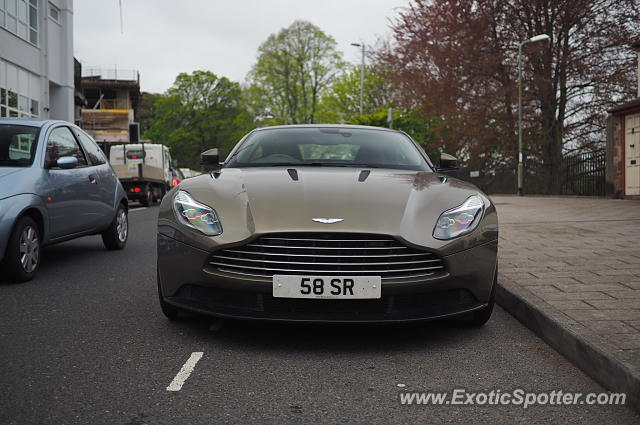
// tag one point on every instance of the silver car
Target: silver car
(55, 185)
(327, 223)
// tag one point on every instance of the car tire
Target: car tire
(116, 235)
(162, 193)
(148, 197)
(23, 253)
(480, 317)
(171, 312)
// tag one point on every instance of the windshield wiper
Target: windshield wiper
(298, 164)
(355, 165)
(341, 164)
(321, 164)
(279, 164)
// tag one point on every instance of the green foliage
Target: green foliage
(294, 67)
(415, 123)
(341, 101)
(297, 79)
(199, 112)
(147, 110)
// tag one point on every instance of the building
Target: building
(112, 97)
(80, 101)
(623, 147)
(36, 59)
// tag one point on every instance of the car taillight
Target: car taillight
(175, 182)
(136, 189)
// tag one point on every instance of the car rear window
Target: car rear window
(18, 145)
(136, 154)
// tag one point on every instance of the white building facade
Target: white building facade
(36, 59)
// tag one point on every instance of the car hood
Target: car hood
(11, 179)
(5, 171)
(405, 204)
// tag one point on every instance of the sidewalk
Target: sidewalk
(570, 270)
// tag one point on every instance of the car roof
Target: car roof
(32, 122)
(345, 126)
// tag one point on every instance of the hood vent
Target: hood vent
(363, 175)
(293, 173)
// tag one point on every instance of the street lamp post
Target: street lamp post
(361, 77)
(541, 37)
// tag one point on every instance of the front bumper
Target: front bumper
(185, 282)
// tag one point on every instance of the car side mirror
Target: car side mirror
(210, 158)
(448, 162)
(67, 162)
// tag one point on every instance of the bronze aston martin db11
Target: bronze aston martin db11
(327, 223)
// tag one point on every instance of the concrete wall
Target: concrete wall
(616, 143)
(60, 100)
(50, 62)
(615, 156)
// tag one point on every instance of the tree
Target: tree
(200, 111)
(457, 59)
(146, 110)
(341, 100)
(414, 122)
(294, 66)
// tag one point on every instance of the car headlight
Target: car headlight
(196, 215)
(459, 220)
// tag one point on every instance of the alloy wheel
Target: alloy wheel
(29, 249)
(122, 226)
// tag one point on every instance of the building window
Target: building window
(12, 7)
(54, 13)
(20, 91)
(12, 99)
(21, 18)
(23, 103)
(33, 21)
(14, 105)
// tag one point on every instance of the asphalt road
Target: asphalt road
(86, 343)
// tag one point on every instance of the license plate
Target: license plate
(326, 287)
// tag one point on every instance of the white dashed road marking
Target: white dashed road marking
(183, 375)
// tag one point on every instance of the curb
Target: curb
(603, 368)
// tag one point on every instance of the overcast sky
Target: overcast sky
(165, 37)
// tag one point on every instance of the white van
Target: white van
(144, 170)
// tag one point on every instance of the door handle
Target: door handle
(92, 179)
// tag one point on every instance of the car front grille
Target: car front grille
(327, 254)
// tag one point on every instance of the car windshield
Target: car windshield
(17, 145)
(328, 146)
